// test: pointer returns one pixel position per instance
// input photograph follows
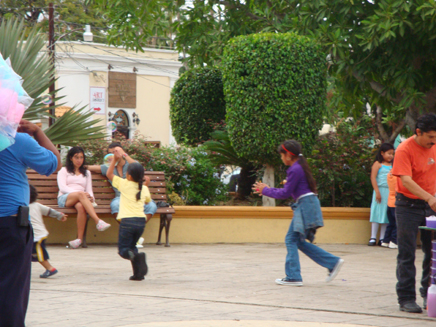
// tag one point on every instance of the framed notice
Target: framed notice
(97, 102)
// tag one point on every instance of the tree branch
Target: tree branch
(379, 124)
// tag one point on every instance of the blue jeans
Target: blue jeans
(131, 230)
(294, 243)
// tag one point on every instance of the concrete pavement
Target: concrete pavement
(228, 285)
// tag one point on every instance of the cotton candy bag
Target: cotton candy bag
(13, 102)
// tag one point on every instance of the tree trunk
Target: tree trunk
(268, 178)
(247, 178)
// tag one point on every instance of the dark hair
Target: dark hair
(383, 148)
(295, 148)
(33, 193)
(69, 163)
(426, 123)
(114, 145)
(137, 172)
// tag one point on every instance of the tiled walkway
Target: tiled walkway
(218, 285)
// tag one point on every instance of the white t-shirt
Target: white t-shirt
(36, 211)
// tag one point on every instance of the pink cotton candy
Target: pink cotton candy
(19, 112)
(5, 100)
(12, 107)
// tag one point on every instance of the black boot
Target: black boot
(142, 267)
(136, 269)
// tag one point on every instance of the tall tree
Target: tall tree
(380, 51)
(70, 17)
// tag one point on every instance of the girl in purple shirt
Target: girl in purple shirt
(301, 186)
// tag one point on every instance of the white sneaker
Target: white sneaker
(385, 245)
(75, 244)
(392, 245)
(102, 226)
(335, 271)
(284, 281)
(139, 243)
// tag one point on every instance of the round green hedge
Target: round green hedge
(275, 89)
(196, 105)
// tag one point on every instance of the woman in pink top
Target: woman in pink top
(75, 190)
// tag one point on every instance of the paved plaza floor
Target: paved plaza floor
(217, 285)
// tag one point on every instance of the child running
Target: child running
(40, 233)
(379, 205)
(133, 196)
(301, 186)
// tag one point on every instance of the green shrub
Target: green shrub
(275, 89)
(341, 164)
(196, 105)
(189, 172)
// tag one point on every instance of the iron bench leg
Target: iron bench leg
(165, 221)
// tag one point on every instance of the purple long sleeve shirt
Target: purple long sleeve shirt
(296, 184)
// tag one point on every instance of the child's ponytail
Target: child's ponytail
(294, 148)
(137, 172)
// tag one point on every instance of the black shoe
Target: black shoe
(136, 269)
(424, 304)
(143, 269)
(410, 307)
(380, 242)
(372, 242)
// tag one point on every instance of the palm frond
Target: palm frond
(25, 48)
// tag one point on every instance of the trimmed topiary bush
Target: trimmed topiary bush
(275, 89)
(197, 105)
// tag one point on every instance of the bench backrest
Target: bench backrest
(47, 187)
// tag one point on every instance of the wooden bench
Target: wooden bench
(47, 188)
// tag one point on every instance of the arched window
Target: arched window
(120, 118)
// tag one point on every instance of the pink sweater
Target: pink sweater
(69, 183)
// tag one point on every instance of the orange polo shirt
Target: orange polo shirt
(418, 162)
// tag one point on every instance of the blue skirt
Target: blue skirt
(379, 211)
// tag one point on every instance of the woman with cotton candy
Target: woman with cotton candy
(13, 102)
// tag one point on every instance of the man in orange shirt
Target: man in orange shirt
(415, 165)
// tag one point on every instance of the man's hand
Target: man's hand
(120, 150)
(27, 127)
(118, 153)
(432, 203)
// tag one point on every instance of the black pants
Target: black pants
(130, 231)
(391, 230)
(15, 263)
(410, 215)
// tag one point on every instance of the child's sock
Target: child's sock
(374, 230)
(383, 230)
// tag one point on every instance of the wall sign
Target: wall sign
(122, 90)
(97, 102)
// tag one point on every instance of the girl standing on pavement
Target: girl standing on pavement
(379, 205)
(131, 214)
(301, 186)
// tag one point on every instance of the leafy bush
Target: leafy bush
(275, 89)
(196, 105)
(341, 164)
(190, 175)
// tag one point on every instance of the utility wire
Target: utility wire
(119, 67)
(133, 60)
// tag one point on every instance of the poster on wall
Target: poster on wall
(97, 101)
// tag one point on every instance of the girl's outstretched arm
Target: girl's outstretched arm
(374, 171)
